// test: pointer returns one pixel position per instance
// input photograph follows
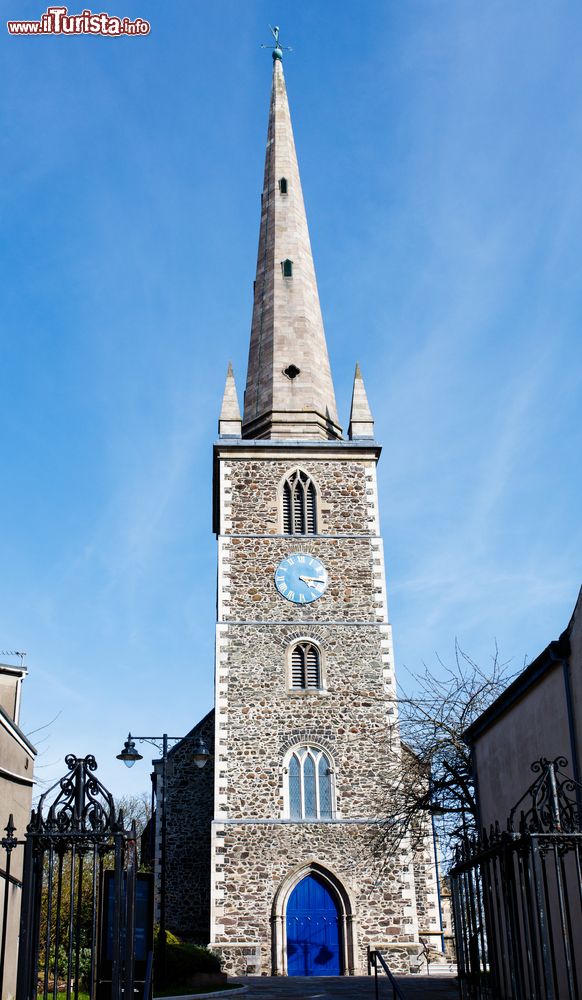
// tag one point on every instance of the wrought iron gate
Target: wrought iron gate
(517, 898)
(77, 929)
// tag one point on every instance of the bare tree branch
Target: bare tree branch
(435, 774)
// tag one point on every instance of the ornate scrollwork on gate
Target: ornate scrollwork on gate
(82, 807)
(79, 881)
(551, 803)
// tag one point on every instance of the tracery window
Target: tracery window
(299, 505)
(310, 788)
(305, 666)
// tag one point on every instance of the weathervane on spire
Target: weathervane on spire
(277, 49)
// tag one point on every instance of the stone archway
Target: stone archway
(279, 914)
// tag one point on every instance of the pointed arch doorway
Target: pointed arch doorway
(313, 930)
(312, 925)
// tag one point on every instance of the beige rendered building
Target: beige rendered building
(539, 715)
(526, 751)
(16, 768)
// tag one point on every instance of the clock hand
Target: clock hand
(312, 579)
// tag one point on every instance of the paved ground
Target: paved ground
(347, 987)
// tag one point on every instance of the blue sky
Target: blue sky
(440, 146)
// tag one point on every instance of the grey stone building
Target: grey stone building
(271, 849)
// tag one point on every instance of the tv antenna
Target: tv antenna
(13, 652)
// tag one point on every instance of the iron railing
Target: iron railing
(375, 959)
(8, 884)
(517, 898)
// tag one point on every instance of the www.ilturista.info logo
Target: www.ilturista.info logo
(58, 21)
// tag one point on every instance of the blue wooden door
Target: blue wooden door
(313, 937)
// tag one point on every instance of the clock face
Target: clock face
(301, 578)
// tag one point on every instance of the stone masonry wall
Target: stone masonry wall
(350, 595)
(256, 859)
(349, 717)
(344, 494)
(256, 848)
(189, 810)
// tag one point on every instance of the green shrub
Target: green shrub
(184, 960)
(63, 965)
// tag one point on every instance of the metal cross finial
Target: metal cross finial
(277, 49)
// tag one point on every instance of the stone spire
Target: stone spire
(361, 419)
(289, 391)
(229, 423)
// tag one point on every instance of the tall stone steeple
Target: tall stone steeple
(289, 390)
(305, 686)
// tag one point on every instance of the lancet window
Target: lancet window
(310, 784)
(299, 505)
(305, 666)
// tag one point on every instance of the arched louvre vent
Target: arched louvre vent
(287, 520)
(305, 666)
(297, 671)
(299, 518)
(312, 666)
(310, 508)
(299, 505)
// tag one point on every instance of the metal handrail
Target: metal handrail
(373, 958)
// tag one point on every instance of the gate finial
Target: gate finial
(82, 805)
(551, 808)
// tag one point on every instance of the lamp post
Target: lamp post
(129, 755)
(436, 809)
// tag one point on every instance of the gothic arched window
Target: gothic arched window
(299, 505)
(310, 788)
(305, 666)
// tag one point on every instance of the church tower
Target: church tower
(305, 714)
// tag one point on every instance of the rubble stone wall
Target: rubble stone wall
(344, 493)
(258, 858)
(189, 808)
(349, 717)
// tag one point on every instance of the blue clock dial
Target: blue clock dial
(301, 578)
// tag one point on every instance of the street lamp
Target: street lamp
(129, 755)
